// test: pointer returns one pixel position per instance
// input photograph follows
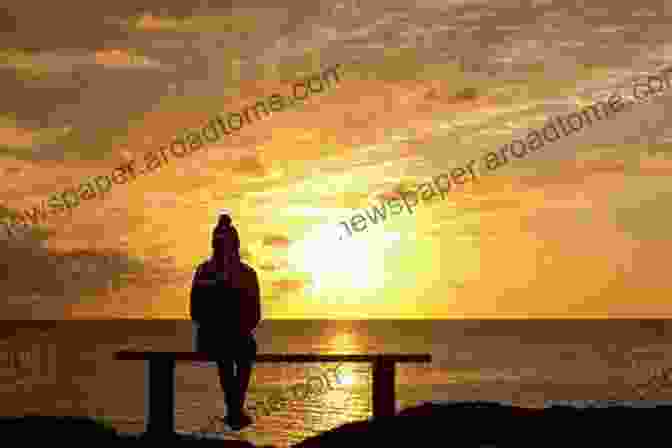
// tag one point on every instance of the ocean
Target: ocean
(70, 368)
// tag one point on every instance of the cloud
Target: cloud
(493, 204)
(123, 58)
(21, 142)
(268, 267)
(655, 165)
(249, 165)
(352, 200)
(17, 137)
(387, 195)
(38, 280)
(286, 285)
(644, 219)
(23, 62)
(276, 241)
(206, 23)
(8, 22)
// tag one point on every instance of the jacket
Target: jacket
(232, 305)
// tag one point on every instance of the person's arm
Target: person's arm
(194, 297)
(257, 302)
(251, 309)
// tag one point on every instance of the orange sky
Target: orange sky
(572, 231)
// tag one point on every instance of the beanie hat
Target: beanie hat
(224, 229)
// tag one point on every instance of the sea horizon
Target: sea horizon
(525, 362)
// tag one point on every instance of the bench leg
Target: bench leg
(383, 388)
(160, 398)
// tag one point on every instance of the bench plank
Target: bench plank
(138, 355)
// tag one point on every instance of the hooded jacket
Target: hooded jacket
(228, 302)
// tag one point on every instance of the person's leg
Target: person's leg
(229, 382)
(244, 374)
(244, 365)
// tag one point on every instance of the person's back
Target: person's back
(231, 303)
(225, 302)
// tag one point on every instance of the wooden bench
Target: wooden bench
(160, 379)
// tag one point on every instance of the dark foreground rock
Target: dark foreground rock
(496, 425)
(72, 430)
(448, 425)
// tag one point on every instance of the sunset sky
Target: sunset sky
(574, 230)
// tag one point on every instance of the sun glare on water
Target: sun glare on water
(346, 379)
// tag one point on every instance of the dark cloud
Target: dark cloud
(51, 26)
(36, 280)
(8, 22)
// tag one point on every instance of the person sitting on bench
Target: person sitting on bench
(225, 303)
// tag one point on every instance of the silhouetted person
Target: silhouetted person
(226, 305)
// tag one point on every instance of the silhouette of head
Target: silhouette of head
(225, 241)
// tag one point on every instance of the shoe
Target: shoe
(238, 422)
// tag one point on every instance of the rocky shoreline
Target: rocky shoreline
(461, 424)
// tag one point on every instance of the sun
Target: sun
(337, 265)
